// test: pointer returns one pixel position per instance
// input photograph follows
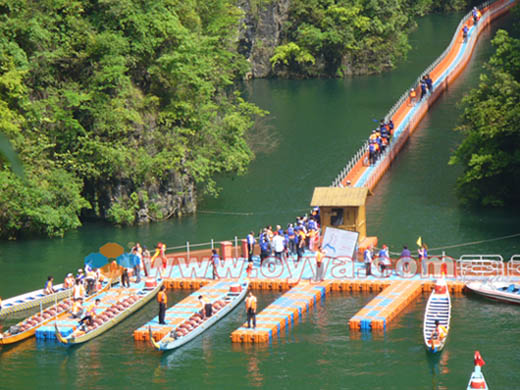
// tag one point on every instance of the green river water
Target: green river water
(319, 124)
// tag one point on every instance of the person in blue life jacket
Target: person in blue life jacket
(465, 33)
(265, 249)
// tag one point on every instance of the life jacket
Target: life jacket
(76, 307)
(91, 311)
(251, 303)
(319, 257)
(413, 93)
(161, 297)
(79, 291)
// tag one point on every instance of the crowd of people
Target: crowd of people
(381, 259)
(379, 140)
(283, 243)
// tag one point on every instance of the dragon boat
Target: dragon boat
(438, 308)
(191, 327)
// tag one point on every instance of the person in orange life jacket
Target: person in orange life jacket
(413, 97)
(439, 333)
(49, 289)
(162, 299)
(249, 269)
(215, 260)
(251, 310)
(69, 281)
(319, 264)
(77, 308)
(475, 14)
(251, 241)
(90, 314)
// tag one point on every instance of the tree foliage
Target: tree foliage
(341, 37)
(489, 152)
(99, 94)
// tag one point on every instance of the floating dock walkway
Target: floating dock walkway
(282, 313)
(391, 302)
(406, 117)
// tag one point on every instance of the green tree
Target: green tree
(489, 152)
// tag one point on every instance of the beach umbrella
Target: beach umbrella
(127, 260)
(96, 260)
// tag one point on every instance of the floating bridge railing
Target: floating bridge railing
(362, 154)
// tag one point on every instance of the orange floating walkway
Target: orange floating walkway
(393, 299)
(282, 313)
(255, 284)
(184, 309)
(387, 305)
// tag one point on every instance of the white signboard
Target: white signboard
(339, 242)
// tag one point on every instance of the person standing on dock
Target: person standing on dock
(251, 241)
(278, 246)
(319, 264)
(251, 310)
(215, 260)
(367, 259)
(163, 301)
(384, 260)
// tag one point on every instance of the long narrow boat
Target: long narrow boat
(28, 327)
(477, 380)
(438, 308)
(195, 325)
(504, 291)
(33, 299)
(121, 302)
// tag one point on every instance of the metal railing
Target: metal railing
(402, 99)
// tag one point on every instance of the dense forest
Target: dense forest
(490, 124)
(127, 110)
(118, 109)
(346, 37)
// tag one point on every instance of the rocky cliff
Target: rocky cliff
(260, 33)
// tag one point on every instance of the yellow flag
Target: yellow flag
(419, 242)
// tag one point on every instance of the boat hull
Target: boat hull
(32, 299)
(73, 340)
(11, 339)
(491, 291)
(166, 345)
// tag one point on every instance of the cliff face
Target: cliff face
(260, 33)
(121, 201)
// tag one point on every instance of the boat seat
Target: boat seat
(511, 288)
